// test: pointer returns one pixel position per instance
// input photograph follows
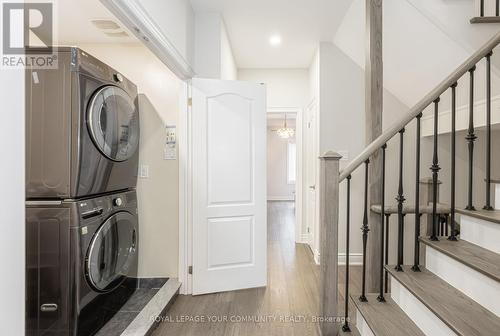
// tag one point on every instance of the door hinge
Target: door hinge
(190, 102)
(190, 270)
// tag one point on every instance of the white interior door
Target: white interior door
(229, 185)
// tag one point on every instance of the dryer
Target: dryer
(81, 262)
(82, 129)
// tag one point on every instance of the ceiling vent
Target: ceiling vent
(109, 27)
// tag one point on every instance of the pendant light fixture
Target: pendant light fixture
(285, 132)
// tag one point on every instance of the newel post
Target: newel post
(329, 220)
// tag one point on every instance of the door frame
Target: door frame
(185, 190)
(299, 199)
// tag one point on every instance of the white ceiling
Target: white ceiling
(301, 24)
(73, 23)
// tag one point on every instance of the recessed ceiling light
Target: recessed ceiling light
(275, 40)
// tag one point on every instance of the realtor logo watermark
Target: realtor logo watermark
(28, 35)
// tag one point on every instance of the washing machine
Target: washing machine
(82, 128)
(81, 262)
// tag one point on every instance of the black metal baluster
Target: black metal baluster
(400, 199)
(365, 230)
(346, 327)
(497, 8)
(380, 297)
(416, 259)
(482, 8)
(488, 206)
(453, 236)
(446, 219)
(435, 169)
(471, 137)
(386, 260)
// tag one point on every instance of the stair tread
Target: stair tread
(487, 215)
(386, 318)
(460, 313)
(410, 209)
(485, 19)
(474, 256)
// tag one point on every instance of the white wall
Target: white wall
(207, 42)
(278, 187)
(157, 195)
(213, 53)
(175, 18)
(12, 239)
(285, 87)
(228, 69)
(341, 92)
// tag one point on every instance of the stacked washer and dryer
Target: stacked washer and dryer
(81, 211)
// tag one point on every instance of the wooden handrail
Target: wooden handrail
(420, 106)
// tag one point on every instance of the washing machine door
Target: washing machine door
(112, 252)
(113, 122)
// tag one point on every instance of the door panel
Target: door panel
(229, 149)
(229, 184)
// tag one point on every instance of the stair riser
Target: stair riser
(362, 326)
(472, 283)
(480, 232)
(425, 319)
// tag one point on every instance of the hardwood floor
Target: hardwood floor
(292, 293)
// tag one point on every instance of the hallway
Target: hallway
(286, 306)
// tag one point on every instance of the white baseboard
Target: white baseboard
(354, 259)
(305, 238)
(462, 117)
(316, 255)
(280, 198)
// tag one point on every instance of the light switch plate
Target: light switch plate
(144, 171)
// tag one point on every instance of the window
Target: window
(292, 162)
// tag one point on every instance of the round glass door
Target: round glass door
(112, 252)
(113, 122)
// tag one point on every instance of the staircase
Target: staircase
(452, 287)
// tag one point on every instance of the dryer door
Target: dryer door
(113, 122)
(112, 252)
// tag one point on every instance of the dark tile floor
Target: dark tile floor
(148, 287)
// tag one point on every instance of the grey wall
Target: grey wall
(342, 110)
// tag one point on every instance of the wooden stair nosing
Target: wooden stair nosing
(485, 19)
(385, 318)
(460, 313)
(480, 259)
